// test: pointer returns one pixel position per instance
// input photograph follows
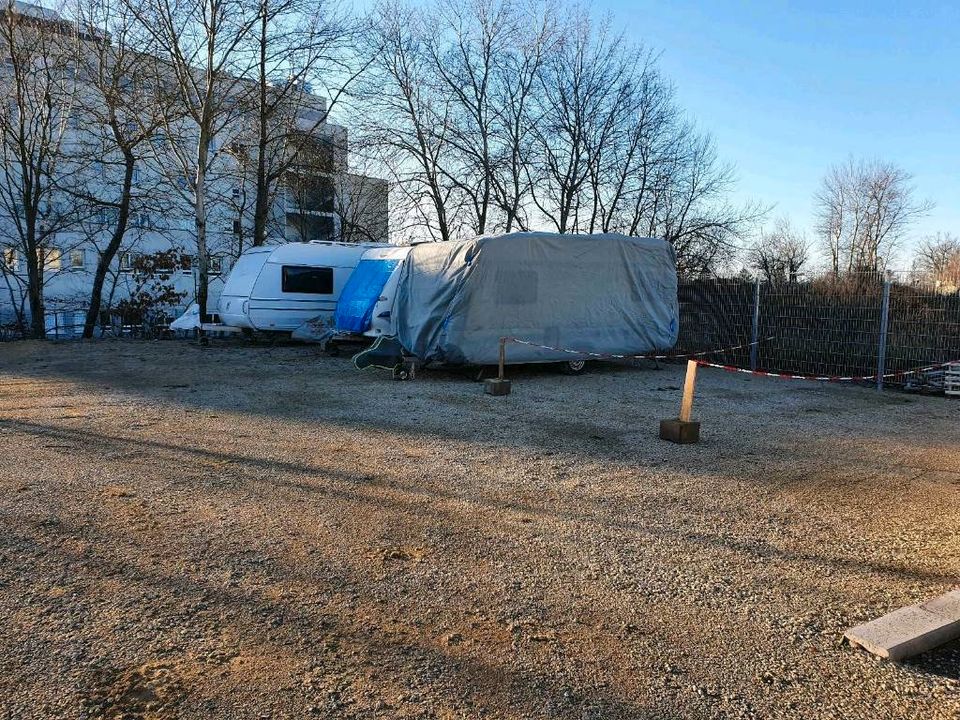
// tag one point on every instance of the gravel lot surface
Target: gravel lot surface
(256, 532)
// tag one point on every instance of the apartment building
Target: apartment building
(318, 199)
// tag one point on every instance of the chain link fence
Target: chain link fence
(858, 325)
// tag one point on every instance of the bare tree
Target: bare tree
(503, 115)
(864, 210)
(120, 116)
(584, 88)
(38, 97)
(780, 254)
(411, 120)
(691, 208)
(200, 62)
(533, 37)
(937, 259)
(298, 47)
(465, 49)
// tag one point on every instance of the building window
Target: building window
(51, 258)
(142, 220)
(309, 192)
(310, 227)
(214, 264)
(126, 261)
(236, 192)
(10, 259)
(78, 259)
(237, 227)
(304, 279)
(107, 216)
(135, 177)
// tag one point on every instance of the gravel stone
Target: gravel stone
(243, 531)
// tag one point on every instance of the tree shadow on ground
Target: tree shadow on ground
(363, 633)
(943, 661)
(329, 481)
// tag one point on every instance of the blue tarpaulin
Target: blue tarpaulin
(355, 306)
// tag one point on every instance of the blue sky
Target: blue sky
(788, 89)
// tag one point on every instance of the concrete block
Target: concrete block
(947, 605)
(911, 630)
(496, 386)
(680, 431)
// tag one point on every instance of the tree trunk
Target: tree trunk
(261, 206)
(38, 327)
(199, 200)
(107, 256)
(262, 203)
(201, 222)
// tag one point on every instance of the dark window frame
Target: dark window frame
(306, 279)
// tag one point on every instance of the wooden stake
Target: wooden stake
(686, 405)
(503, 357)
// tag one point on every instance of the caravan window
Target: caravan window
(305, 279)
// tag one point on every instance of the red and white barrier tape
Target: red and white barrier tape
(614, 356)
(821, 378)
(733, 368)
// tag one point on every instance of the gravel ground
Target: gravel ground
(254, 532)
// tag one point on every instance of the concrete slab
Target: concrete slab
(911, 630)
(495, 386)
(680, 431)
(947, 605)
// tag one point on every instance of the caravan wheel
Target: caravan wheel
(573, 367)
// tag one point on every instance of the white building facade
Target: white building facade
(318, 199)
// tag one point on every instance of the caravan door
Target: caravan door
(235, 297)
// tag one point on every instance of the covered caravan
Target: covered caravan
(596, 293)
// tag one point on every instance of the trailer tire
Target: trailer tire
(573, 367)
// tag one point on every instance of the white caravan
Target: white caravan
(278, 288)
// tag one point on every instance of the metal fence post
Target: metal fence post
(882, 346)
(755, 334)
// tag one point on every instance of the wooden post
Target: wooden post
(499, 385)
(683, 430)
(686, 404)
(503, 357)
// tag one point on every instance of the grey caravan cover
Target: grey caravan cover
(598, 293)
